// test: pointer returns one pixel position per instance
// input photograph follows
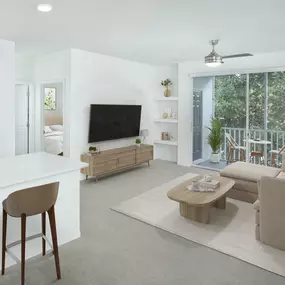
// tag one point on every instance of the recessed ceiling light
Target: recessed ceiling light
(44, 7)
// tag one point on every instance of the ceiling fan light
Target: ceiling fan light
(213, 59)
(213, 64)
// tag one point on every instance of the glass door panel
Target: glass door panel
(230, 108)
(256, 116)
(276, 113)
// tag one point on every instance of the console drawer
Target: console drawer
(100, 167)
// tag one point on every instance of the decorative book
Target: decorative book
(195, 187)
(213, 184)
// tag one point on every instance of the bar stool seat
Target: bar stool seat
(30, 202)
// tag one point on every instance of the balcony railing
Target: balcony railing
(277, 139)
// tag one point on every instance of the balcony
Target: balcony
(276, 139)
(238, 100)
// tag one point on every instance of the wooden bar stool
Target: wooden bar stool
(25, 203)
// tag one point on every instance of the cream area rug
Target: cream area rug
(231, 231)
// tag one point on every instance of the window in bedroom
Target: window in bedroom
(50, 98)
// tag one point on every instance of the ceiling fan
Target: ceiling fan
(214, 59)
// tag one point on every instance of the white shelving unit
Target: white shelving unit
(166, 149)
(168, 121)
(172, 143)
(165, 99)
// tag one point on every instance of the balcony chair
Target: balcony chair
(233, 146)
(275, 154)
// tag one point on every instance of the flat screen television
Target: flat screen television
(110, 122)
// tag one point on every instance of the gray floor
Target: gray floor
(117, 250)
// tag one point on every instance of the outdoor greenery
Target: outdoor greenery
(230, 100)
(215, 135)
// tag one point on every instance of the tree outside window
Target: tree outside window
(50, 98)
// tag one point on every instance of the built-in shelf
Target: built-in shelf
(169, 121)
(173, 143)
(167, 99)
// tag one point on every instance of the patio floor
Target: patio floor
(217, 166)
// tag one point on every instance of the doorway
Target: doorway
(53, 128)
(197, 124)
(24, 123)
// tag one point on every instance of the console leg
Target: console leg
(86, 177)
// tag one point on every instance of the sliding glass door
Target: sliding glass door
(251, 108)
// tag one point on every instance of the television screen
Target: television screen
(110, 122)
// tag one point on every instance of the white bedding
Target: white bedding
(54, 142)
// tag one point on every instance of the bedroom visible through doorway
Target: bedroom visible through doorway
(53, 133)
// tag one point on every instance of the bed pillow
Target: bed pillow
(56, 127)
(48, 130)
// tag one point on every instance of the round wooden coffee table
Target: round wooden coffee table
(196, 205)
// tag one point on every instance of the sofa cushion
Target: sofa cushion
(281, 175)
(256, 205)
(249, 171)
(246, 186)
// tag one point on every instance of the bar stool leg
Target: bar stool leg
(54, 240)
(44, 233)
(23, 246)
(4, 236)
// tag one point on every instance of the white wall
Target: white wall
(24, 68)
(100, 79)
(190, 69)
(7, 97)
(205, 84)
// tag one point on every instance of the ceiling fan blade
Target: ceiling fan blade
(237, 55)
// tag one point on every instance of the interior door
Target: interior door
(197, 124)
(21, 120)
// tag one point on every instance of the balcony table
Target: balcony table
(259, 142)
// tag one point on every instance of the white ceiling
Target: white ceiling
(151, 31)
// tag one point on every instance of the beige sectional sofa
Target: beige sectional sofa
(265, 186)
(246, 176)
(270, 210)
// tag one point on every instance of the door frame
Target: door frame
(42, 110)
(32, 91)
(202, 146)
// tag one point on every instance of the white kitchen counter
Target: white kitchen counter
(36, 169)
(29, 167)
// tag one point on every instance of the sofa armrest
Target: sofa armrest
(272, 211)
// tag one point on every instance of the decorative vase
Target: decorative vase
(215, 157)
(138, 144)
(167, 92)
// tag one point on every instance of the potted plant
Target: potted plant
(215, 139)
(166, 83)
(138, 142)
(92, 149)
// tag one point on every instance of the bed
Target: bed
(53, 137)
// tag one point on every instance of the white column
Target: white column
(7, 97)
(185, 117)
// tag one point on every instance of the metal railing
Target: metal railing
(277, 139)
